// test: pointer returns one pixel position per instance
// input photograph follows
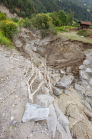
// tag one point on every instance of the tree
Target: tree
(62, 16)
(70, 17)
(55, 18)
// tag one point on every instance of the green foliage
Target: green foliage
(74, 24)
(2, 16)
(15, 19)
(82, 32)
(55, 19)
(82, 8)
(41, 21)
(70, 18)
(4, 41)
(90, 27)
(27, 23)
(59, 29)
(8, 28)
(62, 16)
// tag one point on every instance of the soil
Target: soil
(13, 98)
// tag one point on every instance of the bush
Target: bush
(15, 19)
(4, 41)
(41, 21)
(50, 31)
(8, 28)
(2, 16)
(27, 23)
(83, 32)
(90, 27)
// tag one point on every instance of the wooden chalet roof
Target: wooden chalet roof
(85, 22)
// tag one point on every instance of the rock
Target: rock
(90, 81)
(86, 62)
(41, 51)
(88, 88)
(57, 91)
(62, 124)
(62, 72)
(88, 113)
(69, 69)
(67, 92)
(88, 91)
(78, 87)
(61, 117)
(18, 43)
(84, 82)
(81, 67)
(88, 94)
(35, 112)
(84, 75)
(63, 132)
(34, 49)
(89, 70)
(12, 118)
(65, 82)
(44, 100)
(14, 123)
(52, 121)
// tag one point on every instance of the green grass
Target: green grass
(5, 41)
(73, 36)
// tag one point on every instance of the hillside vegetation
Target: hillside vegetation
(25, 8)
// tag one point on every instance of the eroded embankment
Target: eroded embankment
(65, 56)
(59, 52)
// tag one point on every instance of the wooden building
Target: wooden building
(84, 25)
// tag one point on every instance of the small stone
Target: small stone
(81, 67)
(69, 69)
(89, 70)
(57, 91)
(90, 82)
(84, 82)
(14, 123)
(12, 118)
(88, 88)
(84, 75)
(65, 82)
(86, 62)
(88, 94)
(78, 87)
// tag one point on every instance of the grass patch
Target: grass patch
(5, 41)
(82, 32)
(64, 28)
(60, 29)
(74, 36)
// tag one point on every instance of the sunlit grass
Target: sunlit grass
(5, 41)
(73, 36)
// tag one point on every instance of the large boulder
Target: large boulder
(35, 112)
(65, 82)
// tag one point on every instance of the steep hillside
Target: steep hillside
(81, 9)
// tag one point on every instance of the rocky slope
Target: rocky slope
(34, 80)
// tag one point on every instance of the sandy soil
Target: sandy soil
(14, 96)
